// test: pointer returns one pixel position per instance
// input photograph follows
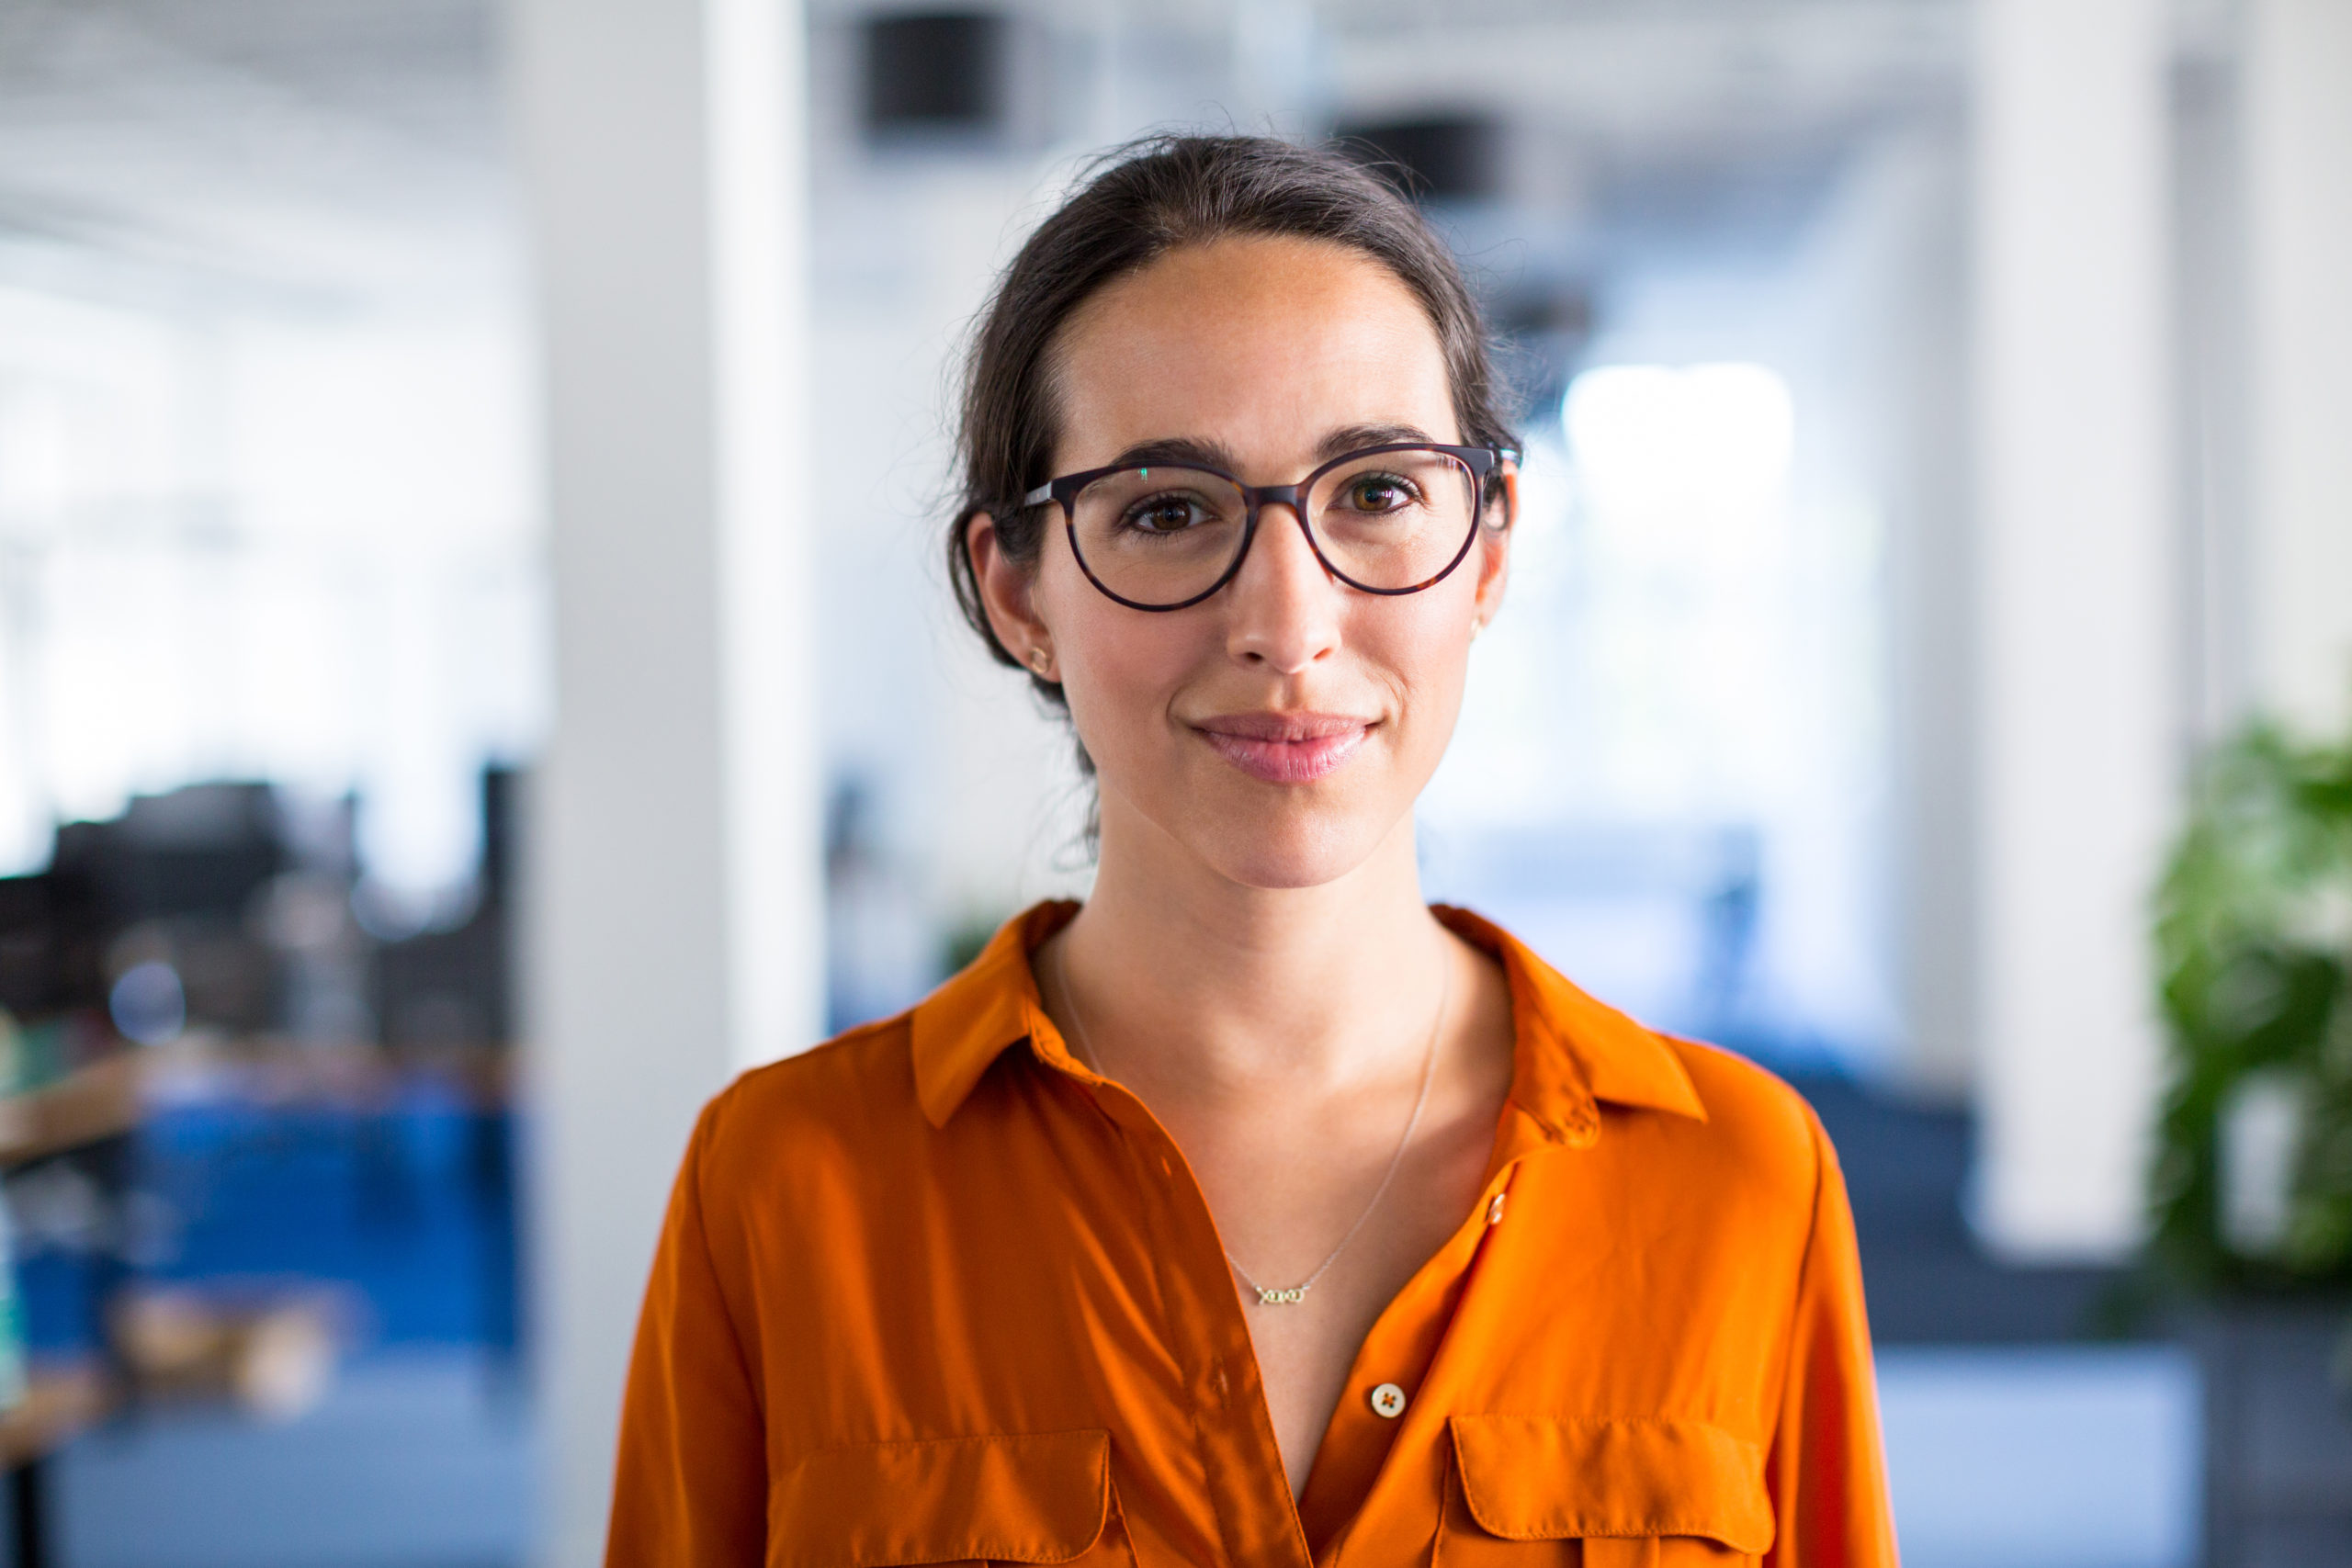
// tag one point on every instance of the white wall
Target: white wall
(2076, 662)
(2296, 89)
(673, 887)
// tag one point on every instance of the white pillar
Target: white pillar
(675, 863)
(2297, 92)
(2076, 666)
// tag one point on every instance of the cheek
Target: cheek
(1120, 671)
(1421, 646)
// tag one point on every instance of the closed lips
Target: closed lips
(1277, 748)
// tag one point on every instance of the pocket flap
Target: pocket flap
(1547, 1478)
(1020, 1498)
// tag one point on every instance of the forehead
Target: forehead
(1262, 344)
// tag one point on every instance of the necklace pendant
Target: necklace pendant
(1281, 1298)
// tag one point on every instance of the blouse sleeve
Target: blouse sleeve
(689, 1488)
(1827, 1470)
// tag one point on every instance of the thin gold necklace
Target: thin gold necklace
(1293, 1294)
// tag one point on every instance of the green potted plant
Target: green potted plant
(2252, 1181)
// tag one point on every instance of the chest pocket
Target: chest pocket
(1026, 1497)
(1531, 1490)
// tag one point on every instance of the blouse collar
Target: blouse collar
(1570, 1051)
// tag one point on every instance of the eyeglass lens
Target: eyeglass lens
(1161, 536)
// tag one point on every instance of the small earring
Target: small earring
(1475, 627)
(1040, 659)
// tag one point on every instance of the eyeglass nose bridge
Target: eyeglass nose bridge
(1291, 496)
(1256, 498)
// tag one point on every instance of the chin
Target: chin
(1280, 855)
(1274, 839)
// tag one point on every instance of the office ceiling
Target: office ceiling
(318, 152)
(340, 151)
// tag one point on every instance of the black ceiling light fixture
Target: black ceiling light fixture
(937, 76)
(1439, 157)
(1545, 325)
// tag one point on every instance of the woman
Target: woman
(1254, 1213)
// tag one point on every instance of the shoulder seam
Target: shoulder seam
(846, 1038)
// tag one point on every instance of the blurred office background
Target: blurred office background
(476, 670)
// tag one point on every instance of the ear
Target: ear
(1006, 594)
(1494, 544)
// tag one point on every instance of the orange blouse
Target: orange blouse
(923, 1297)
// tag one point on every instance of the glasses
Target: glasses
(1388, 520)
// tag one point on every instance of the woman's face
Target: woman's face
(1280, 729)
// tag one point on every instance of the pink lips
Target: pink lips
(1285, 748)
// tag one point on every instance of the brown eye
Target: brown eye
(1376, 493)
(1164, 515)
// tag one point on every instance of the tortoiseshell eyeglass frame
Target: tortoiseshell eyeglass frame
(1483, 463)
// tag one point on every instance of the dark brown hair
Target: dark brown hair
(1145, 200)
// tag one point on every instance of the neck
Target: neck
(1201, 986)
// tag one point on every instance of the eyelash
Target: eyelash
(1412, 490)
(1140, 508)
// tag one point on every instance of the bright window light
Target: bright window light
(1654, 436)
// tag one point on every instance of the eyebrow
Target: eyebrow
(1216, 455)
(1355, 437)
(1178, 449)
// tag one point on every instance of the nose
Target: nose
(1283, 607)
